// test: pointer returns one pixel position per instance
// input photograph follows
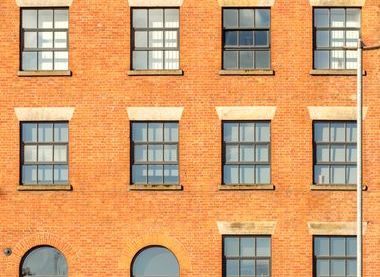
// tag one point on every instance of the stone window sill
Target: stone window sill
(258, 72)
(178, 72)
(247, 187)
(335, 72)
(336, 187)
(45, 73)
(153, 187)
(44, 188)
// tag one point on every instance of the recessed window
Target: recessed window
(44, 153)
(334, 256)
(44, 39)
(246, 38)
(335, 28)
(246, 256)
(155, 153)
(44, 261)
(155, 39)
(246, 152)
(155, 261)
(334, 152)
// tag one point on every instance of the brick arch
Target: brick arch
(34, 240)
(133, 247)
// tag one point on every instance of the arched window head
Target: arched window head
(155, 261)
(43, 261)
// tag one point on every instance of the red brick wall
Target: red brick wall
(101, 224)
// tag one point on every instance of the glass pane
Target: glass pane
(155, 153)
(338, 247)
(321, 17)
(45, 174)
(321, 246)
(351, 174)
(231, 174)
(246, 18)
(351, 59)
(321, 59)
(29, 60)
(351, 247)
(29, 174)
(61, 60)
(29, 19)
(262, 59)
(337, 17)
(140, 153)
(337, 38)
(246, 59)
(140, 18)
(262, 268)
(261, 38)
(262, 174)
(156, 39)
(353, 18)
(45, 60)
(61, 19)
(45, 19)
(156, 18)
(262, 153)
(232, 153)
(60, 153)
(60, 40)
(155, 174)
(171, 39)
(247, 174)
(247, 132)
(140, 59)
(155, 132)
(351, 268)
(139, 174)
(338, 175)
(262, 132)
(30, 39)
(30, 153)
(337, 132)
(337, 59)
(231, 132)
(139, 132)
(323, 38)
(352, 38)
(323, 268)
(61, 132)
(321, 132)
(171, 132)
(262, 247)
(338, 268)
(232, 268)
(45, 40)
(61, 174)
(231, 247)
(45, 153)
(323, 153)
(156, 60)
(247, 247)
(245, 38)
(171, 59)
(230, 18)
(247, 268)
(231, 38)
(141, 39)
(171, 18)
(321, 174)
(29, 132)
(247, 153)
(351, 153)
(45, 132)
(262, 19)
(171, 174)
(230, 59)
(338, 153)
(170, 153)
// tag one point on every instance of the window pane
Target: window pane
(247, 268)
(263, 247)
(262, 268)
(337, 59)
(231, 38)
(171, 174)
(140, 59)
(171, 39)
(156, 60)
(140, 18)
(352, 38)
(61, 60)
(45, 19)
(155, 132)
(247, 174)
(321, 246)
(262, 153)
(321, 17)
(141, 39)
(262, 132)
(245, 38)
(29, 19)
(170, 153)
(323, 39)
(230, 18)
(351, 153)
(323, 153)
(232, 268)
(45, 132)
(323, 268)
(141, 153)
(262, 19)
(61, 19)
(171, 132)
(351, 247)
(61, 132)
(29, 174)
(231, 247)
(29, 132)
(262, 174)
(338, 268)
(156, 18)
(171, 18)
(246, 18)
(262, 59)
(60, 153)
(61, 174)
(351, 174)
(353, 18)
(231, 132)
(351, 59)
(45, 39)
(261, 38)
(337, 38)
(337, 153)
(139, 174)
(231, 174)
(30, 39)
(156, 39)
(60, 40)
(155, 153)
(247, 153)
(232, 153)
(29, 60)
(171, 59)
(351, 268)
(337, 17)
(230, 59)
(155, 174)
(30, 153)
(321, 174)
(247, 247)
(321, 59)
(45, 60)
(45, 174)
(246, 59)
(338, 175)
(247, 132)
(338, 247)
(321, 132)
(337, 132)
(45, 153)
(139, 132)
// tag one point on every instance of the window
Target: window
(246, 38)
(334, 256)
(335, 28)
(44, 39)
(246, 256)
(334, 152)
(246, 152)
(43, 261)
(44, 153)
(155, 38)
(155, 153)
(155, 261)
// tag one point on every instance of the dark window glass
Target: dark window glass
(44, 153)
(155, 153)
(155, 261)
(246, 43)
(335, 28)
(334, 152)
(44, 37)
(246, 256)
(246, 152)
(155, 38)
(44, 261)
(334, 256)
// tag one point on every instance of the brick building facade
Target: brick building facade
(100, 220)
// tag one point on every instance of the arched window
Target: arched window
(43, 261)
(155, 261)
